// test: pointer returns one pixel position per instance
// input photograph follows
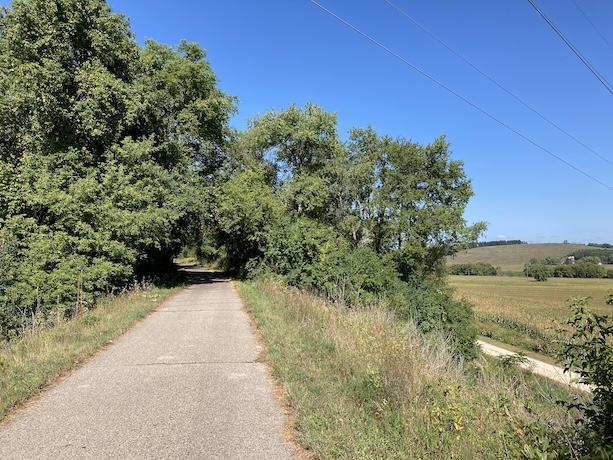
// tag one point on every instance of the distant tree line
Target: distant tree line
(604, 256)
(481, 244)
(578, 270)
(601, 245)
(478, 268)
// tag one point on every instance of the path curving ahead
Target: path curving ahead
(182, 384)
(535, 366)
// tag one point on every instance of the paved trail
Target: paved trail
(184, 383)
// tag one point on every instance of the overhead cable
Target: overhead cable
(417, 69)
(592, 24)
(592, 69)
(496, 83)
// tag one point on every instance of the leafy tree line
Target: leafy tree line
(601, 245)
(477, 268)
(604, 256)
(481, 244)
(367, 219)
(579, 270)
(114, 156)
(103, 146)
(546, 261)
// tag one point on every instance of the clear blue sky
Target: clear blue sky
(271, 53)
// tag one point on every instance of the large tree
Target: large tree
(402, 199)
(105, 146)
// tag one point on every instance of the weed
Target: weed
(366, 385)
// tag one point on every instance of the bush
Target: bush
(540, 272)
(434, 310)
(591, 351)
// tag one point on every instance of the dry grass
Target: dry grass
(525, 313)
(364, 385)
(36, 360)
(536, 303)
(513, 257)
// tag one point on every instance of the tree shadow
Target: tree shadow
(201, 277)
(193, 274)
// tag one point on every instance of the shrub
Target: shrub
(434, 310)
(591, 351)
(479, 268)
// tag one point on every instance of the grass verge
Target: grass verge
(36, 360)
(364, 385)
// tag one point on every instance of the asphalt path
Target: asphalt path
(184, 383)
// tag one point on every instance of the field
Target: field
(524, 312)
(513, 257)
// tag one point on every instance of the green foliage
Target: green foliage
(513, 360)
(247, 210)
(580, 270)
(604, 255)
(106, 149)
(363, 222)
(591, 352)
(546, 261)
(540, 272)
(479, 268)
(434, 309)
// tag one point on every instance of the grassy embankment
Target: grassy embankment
(40, 357)
(363, 385)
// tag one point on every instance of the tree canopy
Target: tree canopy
(114, 156)
(104, 143)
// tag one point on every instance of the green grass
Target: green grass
(363, 385)
(513, 257)
(29, 364)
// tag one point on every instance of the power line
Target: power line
(404, 61)
(592, 69)
(496, 83)
(592, 24)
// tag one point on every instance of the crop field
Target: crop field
(526, 313)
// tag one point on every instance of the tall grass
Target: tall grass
(364, 385)
(40, 356)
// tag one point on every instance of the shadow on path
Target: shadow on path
(197, 275)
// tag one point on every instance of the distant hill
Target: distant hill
(513, 257)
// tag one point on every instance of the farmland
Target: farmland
(525, 313)
(521, 311)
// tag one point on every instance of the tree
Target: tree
(105, 147)
(247, 210)
(540, 272)
(416, 209)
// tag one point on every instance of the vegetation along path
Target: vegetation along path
(549, 371)
(183, 383)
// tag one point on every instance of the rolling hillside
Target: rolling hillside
(513, 257)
